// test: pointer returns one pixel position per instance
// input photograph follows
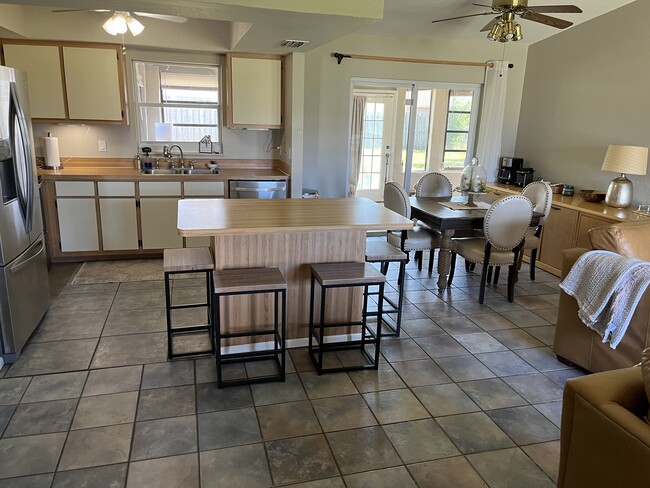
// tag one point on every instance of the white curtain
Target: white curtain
(356, 143)
(488, 148)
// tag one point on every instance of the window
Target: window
(178, 104)
(459, 113)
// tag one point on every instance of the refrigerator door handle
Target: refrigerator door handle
(24, 262)
(22, 157)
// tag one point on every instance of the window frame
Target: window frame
(188, 147)
(473, 112)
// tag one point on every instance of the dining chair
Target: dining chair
(419, 238)
(433, 185)
(504, 227)
(541, 196)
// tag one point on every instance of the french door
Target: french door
(377, 146)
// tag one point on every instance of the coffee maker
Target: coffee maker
(508, 170)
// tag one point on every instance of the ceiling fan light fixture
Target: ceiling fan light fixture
(518, 36)
(134, 25)
(496, 33)
(116, 24)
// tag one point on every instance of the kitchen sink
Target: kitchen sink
(180, 171)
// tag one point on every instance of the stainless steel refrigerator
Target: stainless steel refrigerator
(24, 289)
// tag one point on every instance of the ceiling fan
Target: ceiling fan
(503, 28)
(121, 20)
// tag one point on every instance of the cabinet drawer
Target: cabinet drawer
(116, 189)
(558, 234)
(75, 188)
(160, 188)
(585, 223)
(204, 188)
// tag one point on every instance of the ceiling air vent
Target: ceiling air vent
(292, 43)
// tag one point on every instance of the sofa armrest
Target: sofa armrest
(569, 257)
(604, 440)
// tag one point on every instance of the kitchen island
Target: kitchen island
(290, 235)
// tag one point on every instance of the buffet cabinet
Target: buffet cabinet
(568, 224)
(99, 219)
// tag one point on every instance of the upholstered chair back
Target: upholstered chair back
(396, 199)
(433, 185)
(507, 220)
(541, 196)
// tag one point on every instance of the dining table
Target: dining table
(437, 214)
(451, 216)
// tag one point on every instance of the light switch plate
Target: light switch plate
(102, 146)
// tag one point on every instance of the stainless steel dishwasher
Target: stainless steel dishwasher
(257, 189)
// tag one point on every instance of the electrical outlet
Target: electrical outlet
(102, 146)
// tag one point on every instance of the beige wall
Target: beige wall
(327, 92)
(586, 88)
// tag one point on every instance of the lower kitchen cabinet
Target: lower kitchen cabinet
(77, 224)
(119, 223)
(558, 234)
(158, 218)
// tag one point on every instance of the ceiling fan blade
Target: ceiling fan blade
(556, 9)
(168, 18)
(546, 20)
(79, 10)
(491, 24)
(461, 17)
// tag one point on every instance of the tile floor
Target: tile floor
(469, 395)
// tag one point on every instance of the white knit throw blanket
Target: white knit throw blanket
(607, 287)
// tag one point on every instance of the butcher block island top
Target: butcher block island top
(209, 217)
(288, 234)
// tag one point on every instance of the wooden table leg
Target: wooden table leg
(444, 258)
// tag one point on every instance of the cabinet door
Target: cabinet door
(159, 223)
(588, 222)
(43, 67)
(558, 234)
(204, 188)
(77, 224)
(119, 223)
(255, 91)
(93, 87)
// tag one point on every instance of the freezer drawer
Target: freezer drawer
(24, 298)
(257, 189)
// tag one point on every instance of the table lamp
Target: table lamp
(632, 160)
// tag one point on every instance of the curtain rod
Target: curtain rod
(339, 57)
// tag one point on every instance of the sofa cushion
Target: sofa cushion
(645, 366)
(625, 238)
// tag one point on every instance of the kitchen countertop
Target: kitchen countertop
(209, 217)
(577, 203)
(132, 174)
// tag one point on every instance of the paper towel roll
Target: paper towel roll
(51, 150)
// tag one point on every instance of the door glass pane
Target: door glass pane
(371, 156)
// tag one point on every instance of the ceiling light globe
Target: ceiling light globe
(135, 26)
(496, 32)
(116, 24)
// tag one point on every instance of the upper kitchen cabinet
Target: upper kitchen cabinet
(71, 82)
(254, 91)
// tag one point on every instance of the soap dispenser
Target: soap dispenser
(147, 157)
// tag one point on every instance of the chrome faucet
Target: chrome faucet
(167, 152)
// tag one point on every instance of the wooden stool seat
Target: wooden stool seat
(379, 251)
(187, 260)
(385, 253)
(182, 261)
(249, 281)
(346, 274)
(339, 275)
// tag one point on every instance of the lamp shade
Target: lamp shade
(632, 160)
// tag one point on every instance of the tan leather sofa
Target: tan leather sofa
(605, 441)
(574, 341)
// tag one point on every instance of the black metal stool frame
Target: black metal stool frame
(367, 334)
(278, 353)
(396, 308)
(171, 332)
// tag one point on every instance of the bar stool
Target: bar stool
(384, 253)
(250, 281)
(188, 260)
(344, 275)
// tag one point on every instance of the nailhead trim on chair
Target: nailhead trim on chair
(489, 212)
(418, 185)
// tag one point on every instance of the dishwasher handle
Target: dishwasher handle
(259, 190)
